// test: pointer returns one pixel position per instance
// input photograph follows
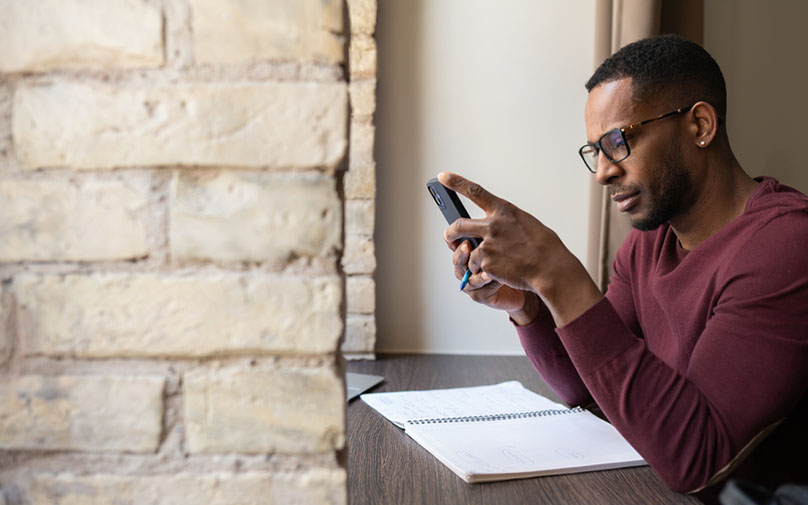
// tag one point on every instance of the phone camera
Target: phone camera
(436, 197)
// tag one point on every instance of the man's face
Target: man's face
(652, 184)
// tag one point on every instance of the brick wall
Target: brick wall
(187, 194)
(359, 259)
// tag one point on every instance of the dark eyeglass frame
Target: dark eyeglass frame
(598, 146)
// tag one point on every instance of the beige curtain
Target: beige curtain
(617, 23)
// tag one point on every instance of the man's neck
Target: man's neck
(721, 199)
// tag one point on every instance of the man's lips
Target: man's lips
(626, 200)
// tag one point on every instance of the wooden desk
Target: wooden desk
(385, 466)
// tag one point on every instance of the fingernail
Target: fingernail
(484, 276)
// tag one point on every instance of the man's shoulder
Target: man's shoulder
(771, 234)
(772, 197)
(775, 214)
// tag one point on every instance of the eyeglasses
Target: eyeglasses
(613, 143)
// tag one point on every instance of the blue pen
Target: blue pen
(465, 279)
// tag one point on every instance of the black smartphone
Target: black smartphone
(450, 205)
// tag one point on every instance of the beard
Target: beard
(666, 193)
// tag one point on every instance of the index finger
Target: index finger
(471, 190)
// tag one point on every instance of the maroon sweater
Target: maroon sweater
(700, 358)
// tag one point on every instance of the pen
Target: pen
(465, 279)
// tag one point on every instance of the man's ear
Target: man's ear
(704, 123)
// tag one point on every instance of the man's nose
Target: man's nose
(606, 171)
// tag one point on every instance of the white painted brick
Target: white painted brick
(363, 97)
(252, 216)
(5, 326)
(150, 315)
(360, 182)
(360, 334)
(257, 410)
(40, 35)
(251, 30)
(360, 255)
(362, 14)
(80, 412)
(94, 125)
(362, 140)
(362, 57)
(76, 220)
(360, 217)
(6, 99)
(315, 486)
(361, 294)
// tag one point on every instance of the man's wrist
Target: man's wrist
(530, 309)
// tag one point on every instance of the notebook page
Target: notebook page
(504, 398)
(501, 449)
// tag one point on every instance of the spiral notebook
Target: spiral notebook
(504, 431)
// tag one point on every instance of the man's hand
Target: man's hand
(522, 306)
(517, 252)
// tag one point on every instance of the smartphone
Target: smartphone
(450, 205)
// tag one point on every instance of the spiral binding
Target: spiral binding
(497, 417)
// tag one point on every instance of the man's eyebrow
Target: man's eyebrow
(604, 132)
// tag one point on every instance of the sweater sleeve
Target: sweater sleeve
(549, 357)
(748, 370)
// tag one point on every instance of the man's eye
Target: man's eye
(616, 139)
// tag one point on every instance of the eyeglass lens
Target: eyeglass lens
(613, 145)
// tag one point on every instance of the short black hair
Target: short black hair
(669, 68)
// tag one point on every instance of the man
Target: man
(698, 352)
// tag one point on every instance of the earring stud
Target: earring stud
(702, 142)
